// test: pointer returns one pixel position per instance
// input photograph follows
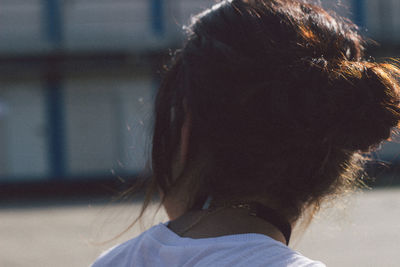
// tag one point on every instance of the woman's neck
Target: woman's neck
(222, 221)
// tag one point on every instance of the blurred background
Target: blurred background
(77, 83)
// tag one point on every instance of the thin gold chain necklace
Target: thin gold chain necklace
(205, 214)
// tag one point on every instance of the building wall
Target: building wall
(106, 119)
(23, 130)
(107, 124)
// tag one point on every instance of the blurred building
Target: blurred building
(77, 79)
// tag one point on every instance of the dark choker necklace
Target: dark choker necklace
(261, 211)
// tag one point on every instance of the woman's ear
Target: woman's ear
(185, 134)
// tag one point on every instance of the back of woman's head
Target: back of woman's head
(280, 100)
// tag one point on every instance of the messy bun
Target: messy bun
(354, 104)
(366, 100)
(281, 101)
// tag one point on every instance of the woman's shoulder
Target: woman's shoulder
(159, 246)
(121, 255)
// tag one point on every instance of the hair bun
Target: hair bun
(363, 100)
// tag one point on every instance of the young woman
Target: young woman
(263, 115)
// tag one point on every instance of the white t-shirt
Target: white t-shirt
(159, 246)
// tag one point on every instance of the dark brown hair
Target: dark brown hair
(281, 101)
